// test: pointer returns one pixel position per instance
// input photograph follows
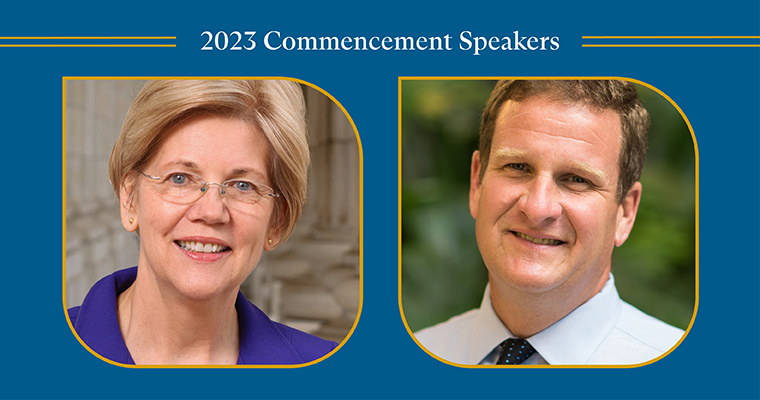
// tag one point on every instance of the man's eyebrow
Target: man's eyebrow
(508, 153)
(585, 167)
(577, 165)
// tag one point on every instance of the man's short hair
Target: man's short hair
(619, 96)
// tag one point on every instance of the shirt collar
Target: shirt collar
(585, 327)
(488, 331)
(573, 339)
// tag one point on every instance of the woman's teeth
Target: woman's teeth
(199, 247)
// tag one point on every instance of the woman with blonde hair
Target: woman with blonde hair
(209, 173)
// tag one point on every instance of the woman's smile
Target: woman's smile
(200, 247)
(203, 250)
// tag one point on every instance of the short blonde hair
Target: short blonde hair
(275, 107)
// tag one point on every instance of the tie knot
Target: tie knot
(515, 351)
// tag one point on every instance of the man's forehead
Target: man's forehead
(539, 109)
(511, 107)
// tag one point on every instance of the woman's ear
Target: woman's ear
(274, 232)
(127, 205)
(271, 242)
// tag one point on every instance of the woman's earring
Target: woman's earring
(269, 241)
(131, 220)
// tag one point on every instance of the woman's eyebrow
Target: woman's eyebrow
(241, 171)
(246, 172)
(181, 163)
(249, 174)
(237, 172)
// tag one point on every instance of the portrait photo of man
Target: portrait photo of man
(555, 186)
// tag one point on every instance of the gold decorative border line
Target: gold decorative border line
(35, 38)
(87, 37)
(660, 39)
(88, 45)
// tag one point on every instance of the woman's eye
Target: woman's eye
(244, 186)
(178, 179)
(577, 179)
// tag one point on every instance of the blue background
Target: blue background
(717, 89)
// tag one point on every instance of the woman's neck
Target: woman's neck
(160, 328)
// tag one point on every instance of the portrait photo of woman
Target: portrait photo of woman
(208, 179)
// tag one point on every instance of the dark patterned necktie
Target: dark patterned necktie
(515, 351)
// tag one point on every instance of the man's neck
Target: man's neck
(527, 313)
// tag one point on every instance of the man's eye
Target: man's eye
(578, 182)
(517, 167)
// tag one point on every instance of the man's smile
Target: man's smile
(552, 242)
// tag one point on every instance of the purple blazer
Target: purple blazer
(262, 341)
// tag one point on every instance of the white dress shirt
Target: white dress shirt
(604, 330)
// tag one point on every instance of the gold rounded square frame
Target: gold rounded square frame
(321, 275)
(439, 119)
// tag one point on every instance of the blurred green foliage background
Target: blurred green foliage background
(441, 269)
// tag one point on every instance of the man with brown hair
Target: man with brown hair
(554, 188)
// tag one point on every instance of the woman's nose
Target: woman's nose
(539, 202)
(211, 208)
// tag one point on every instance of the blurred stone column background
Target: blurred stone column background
(310, 282)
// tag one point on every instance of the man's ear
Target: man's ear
(127, 205)
(626, 214)
(475, 184)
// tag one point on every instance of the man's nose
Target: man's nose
(211, 208)
(539, 201)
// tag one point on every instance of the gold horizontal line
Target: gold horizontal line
(670, 45)
(85, 37)
(670, 37)
(88, 45)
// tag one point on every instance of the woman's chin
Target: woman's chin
(205, 293)
(201, 283)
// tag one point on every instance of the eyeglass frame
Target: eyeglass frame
(205, 185)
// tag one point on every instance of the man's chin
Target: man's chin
(527, 278)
